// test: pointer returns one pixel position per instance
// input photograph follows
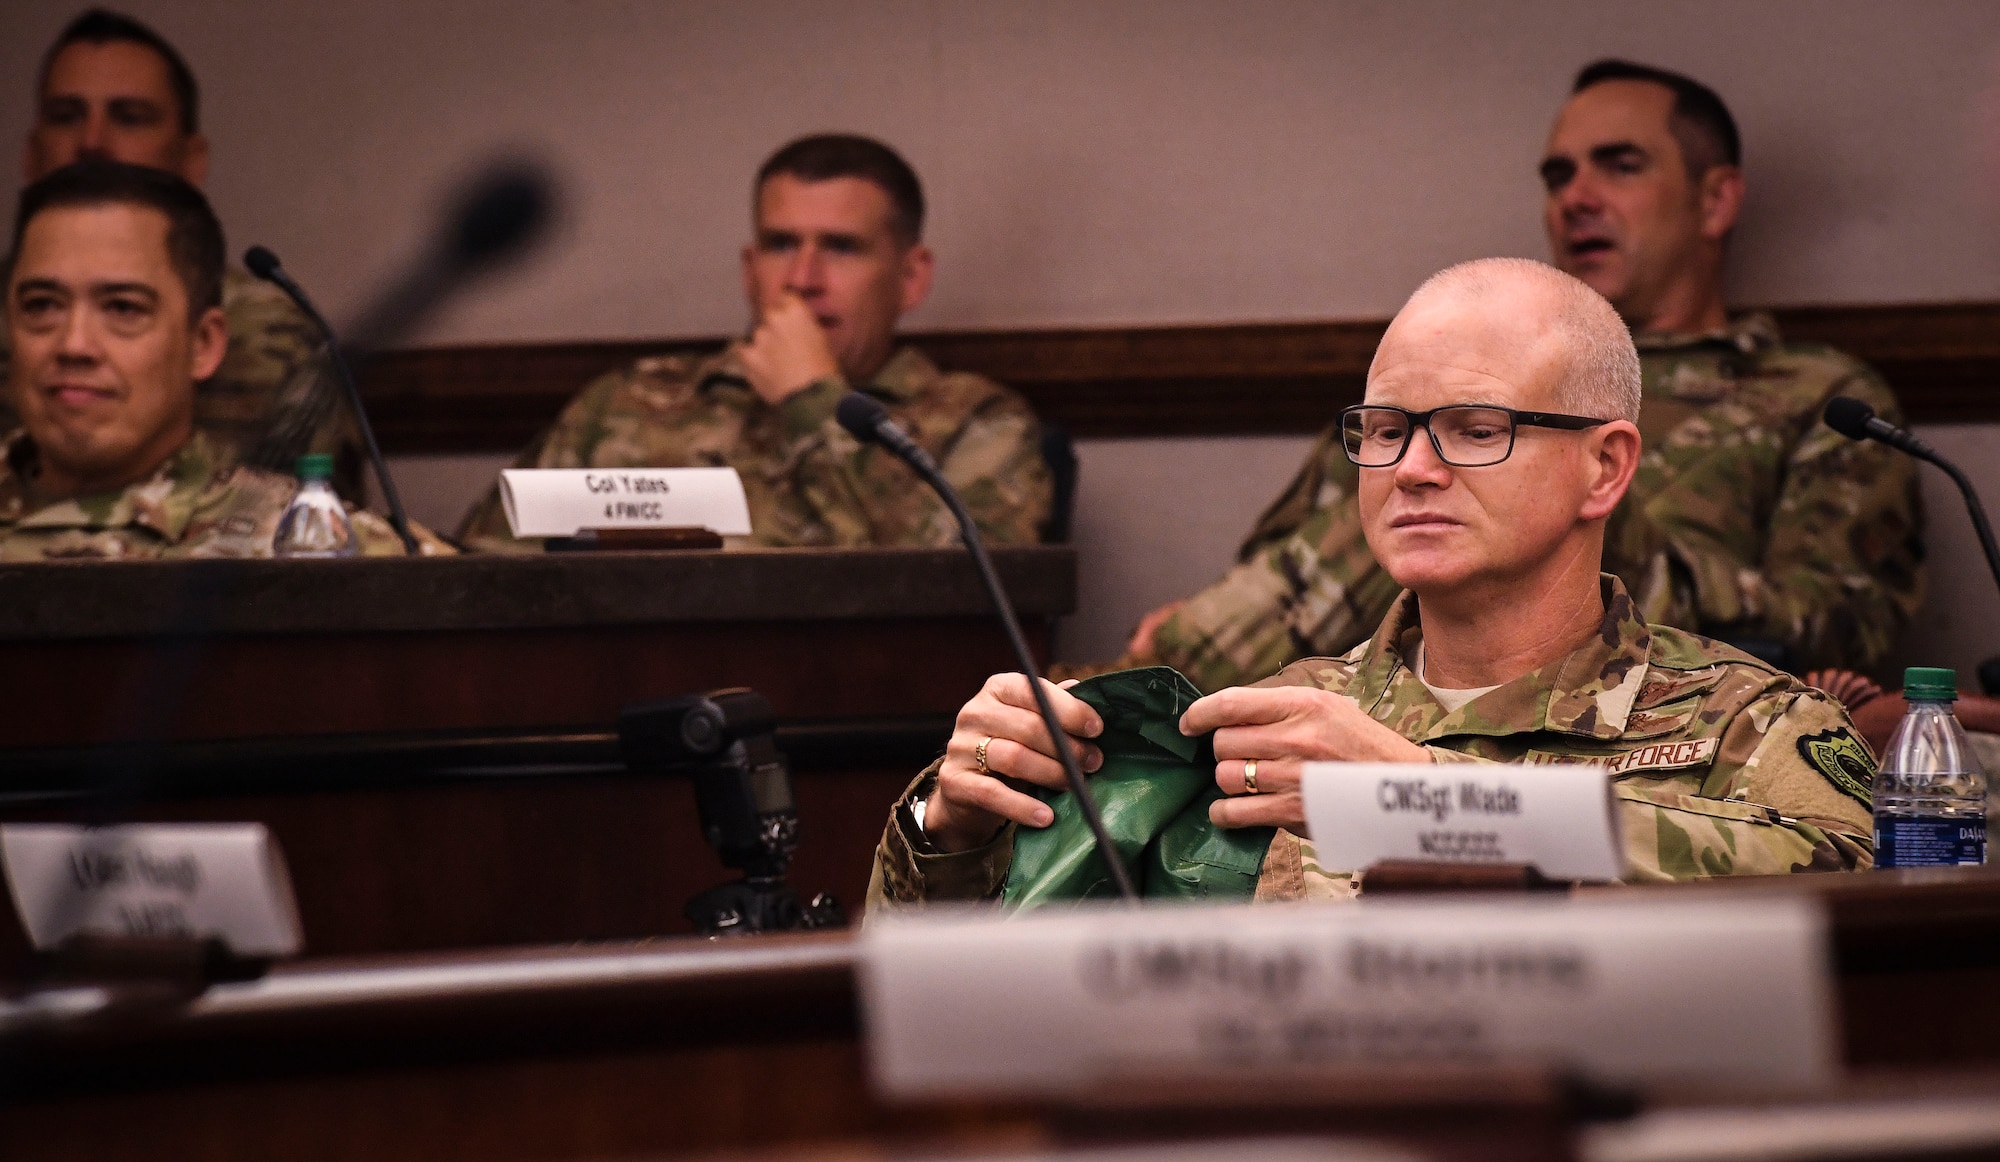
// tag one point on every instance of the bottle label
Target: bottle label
(1930, 841)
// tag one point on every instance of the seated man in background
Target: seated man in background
(836, 257)
(1748, 519)
(113, 89)
(1496, 440)
(114, 312)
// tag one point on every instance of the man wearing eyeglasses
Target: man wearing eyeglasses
(1496, 439)
(1748, 520)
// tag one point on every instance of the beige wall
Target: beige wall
(1112, 161)
(1119, 161)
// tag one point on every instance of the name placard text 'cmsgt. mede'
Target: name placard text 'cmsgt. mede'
(1557, 818)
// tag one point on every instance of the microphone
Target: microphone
(1857, 421)
(264, 264)
(496, 216)
(868, 421)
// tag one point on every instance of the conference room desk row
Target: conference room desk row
(687, 1046)
(431, 741)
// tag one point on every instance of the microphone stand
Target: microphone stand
(264, 264)
(1973, 508)
(1854, 419)
(868, 420)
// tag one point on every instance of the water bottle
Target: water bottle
(315, 523)
(1930, 799)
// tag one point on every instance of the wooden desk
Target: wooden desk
(864, 645)
(315, 647)
(677, 1046)
(685, 1046)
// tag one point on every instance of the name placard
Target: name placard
(155, 879)
(1557, 817)
(1731, 994)
(559, 502)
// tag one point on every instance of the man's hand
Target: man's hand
(969, 807)
(787, 353)
(1283, 729)
(1141, 645)
(1846, 687)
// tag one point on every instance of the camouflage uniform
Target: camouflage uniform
(1721, 765)
(199, 503)
(273, 399)
(808, 482)
(1748, 520)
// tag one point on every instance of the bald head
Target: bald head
(1484, 507)
(1554, 326)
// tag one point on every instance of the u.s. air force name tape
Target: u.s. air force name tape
(560, 502)
(1727, 994)
(1558, 818)
(194, 880)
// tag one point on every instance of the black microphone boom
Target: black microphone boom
(1857, 421)
(496, 216)
(264, 264)
(869, 422)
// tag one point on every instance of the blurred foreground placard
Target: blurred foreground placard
(1730, 994)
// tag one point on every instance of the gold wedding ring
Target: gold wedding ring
(979, 754)
(1249, 777)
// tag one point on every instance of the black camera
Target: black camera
(726, 742)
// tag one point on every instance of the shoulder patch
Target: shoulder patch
(1843, 759)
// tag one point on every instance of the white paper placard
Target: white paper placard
(152, 879)
(1732, 994)
(1558, 817)
(559, 502)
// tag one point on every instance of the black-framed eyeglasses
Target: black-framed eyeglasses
(1463, 435)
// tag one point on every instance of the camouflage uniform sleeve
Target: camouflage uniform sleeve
(865, 496)
(568, 443)
(1841, 573)
(908, 870)
(1305, 585)
(1787, 792)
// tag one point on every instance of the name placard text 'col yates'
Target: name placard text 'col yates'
(977, 1005)
(1558, 818)
(561, 502)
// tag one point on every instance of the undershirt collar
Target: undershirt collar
(1448, 698)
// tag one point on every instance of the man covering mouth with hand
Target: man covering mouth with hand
(836, 258)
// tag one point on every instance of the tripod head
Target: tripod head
(725, 741)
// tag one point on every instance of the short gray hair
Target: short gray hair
(1600, 376)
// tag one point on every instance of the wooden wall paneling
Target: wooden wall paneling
(1221, 379)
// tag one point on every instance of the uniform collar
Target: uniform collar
(163, 502)
(1588, 693)
(907, 373)
(1749, 333)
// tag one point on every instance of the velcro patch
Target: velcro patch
(1843, 759)
(1654, 756)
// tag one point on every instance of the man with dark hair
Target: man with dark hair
(111, 88)
(1748, 520)
(836, 257)
(845, 155)
(114, 312)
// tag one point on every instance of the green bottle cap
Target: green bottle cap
(1930, 684)
(319, 466)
